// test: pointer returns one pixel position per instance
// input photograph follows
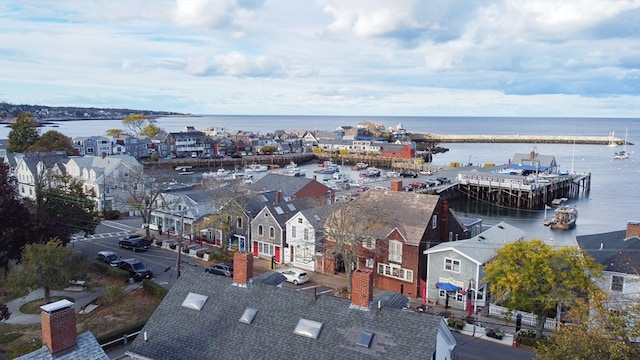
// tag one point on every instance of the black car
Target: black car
(109, 257)
(135, 243)
(408, 174)
(223, 269)
(136, 268)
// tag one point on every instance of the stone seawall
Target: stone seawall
(533, 139)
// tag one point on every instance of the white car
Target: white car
(295, 276)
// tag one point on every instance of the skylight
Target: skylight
(364, 339)
(279, 210)
(291, 207)
(195, 301)
(316, 217)
(308, 328)
(248, 315)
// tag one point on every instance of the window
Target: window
(369, 263)
(293, 231)
(395, 251)
(306, 234)
(617, 283)
(260, 230)
(434, 222)
(272, 232)
(369, 243)
(239, 223)
(265, 249)
(452, 265)
(395, 272)
(299, 220)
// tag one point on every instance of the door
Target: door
(255, 249)
(277, 254)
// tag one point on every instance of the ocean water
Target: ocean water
(613, 200)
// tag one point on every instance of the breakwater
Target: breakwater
(528, 139)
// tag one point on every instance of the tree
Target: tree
(600, 328)
(53, 141)
(14, 216)
(114, 132)
(151, 130)
(535, 277)
(353, 232)
(24, 133)
(47, 266)
(136, 122)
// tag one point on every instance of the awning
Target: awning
(447, 286)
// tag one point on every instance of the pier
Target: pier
(528, 139)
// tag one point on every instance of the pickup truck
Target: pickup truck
(134, 242)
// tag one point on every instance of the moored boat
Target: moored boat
(564, 218)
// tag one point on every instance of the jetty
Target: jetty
(528, 139)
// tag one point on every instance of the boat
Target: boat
(612, 140)
(184, 170)
(360, 166)
(393, 174)
(564, 218)
(220, 173)
(327, 170)
(256, 168)
(371, 172)
(623, 154)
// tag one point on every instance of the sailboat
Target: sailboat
(612, 139)
(623, 154)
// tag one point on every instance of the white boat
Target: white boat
(220, 173)
(327, 170)
(564, 218)
(623, 154)
(256, 168)
(393, 174)
(184, 170)
(612, 140)
(360, 166)
(371, 172)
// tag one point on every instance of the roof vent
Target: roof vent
(195, 301)
(481, 238)
(500, 227)
(248, 315)
(364, 339)
(308, 328)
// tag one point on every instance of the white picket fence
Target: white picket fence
(527, 318)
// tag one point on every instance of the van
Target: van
(194, 154)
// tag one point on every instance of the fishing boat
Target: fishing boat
(393, 174)
(564, 218)
(256, 168)
(220, 173)
(371, 172)
(327, 170)
(360, 166)
(184, 170)
(623, 154)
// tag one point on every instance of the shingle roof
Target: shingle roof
(613, 250)
(483, 247)
(215, 332)
(289, 185)
(87, 348)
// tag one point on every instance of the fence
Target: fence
(527, 318)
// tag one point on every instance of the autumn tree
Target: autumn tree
(24, 133)
(14, 215)
(136, 123)
(47, 266)
(538, 278)
(114, 132)
(600, 328)
(151, 130)
(53, 141)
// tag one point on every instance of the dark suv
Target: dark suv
(133, 242)
(136, 268)
(223, 269)
(108, 257)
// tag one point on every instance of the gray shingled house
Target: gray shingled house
(213, 317)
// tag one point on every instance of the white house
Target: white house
(34, 168)
(304, 237)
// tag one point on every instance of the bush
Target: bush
(119, 273)
(159, 242)
(173, 246)
(115, 293)
(495, 333)
(185, 249)
(154, 289)
(527, 337)
(112, 215)
(200, 253)
(457, 324)
(100, 267)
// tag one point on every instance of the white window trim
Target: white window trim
(453, 263)
(395, 251)
(388, 270)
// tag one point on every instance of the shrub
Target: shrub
(457, 324)
(173, 246)
(100, 267)
(159, 242)
(200, 253)
(154, 289)
(185, 249)
(495, 333)
(115, 293)
(112, 215)
(527, 337)
(119, 273)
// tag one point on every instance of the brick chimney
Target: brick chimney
(361, 289)
(396, 185)
(278, 197)
(58, 325)
(242, 267)
(633, 229)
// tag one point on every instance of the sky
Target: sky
(325, 57)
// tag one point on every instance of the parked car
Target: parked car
(136, 268)
(418, 185)
(362, 189)
(135, 243)
(408, 174)
(295, 276)
(109, 257)
(223, 269)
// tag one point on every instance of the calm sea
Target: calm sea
(615, 190)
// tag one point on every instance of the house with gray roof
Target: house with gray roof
(618, 252)
(456, 268)
(304, 237)
(214, 317)
(33, 170)
(532, 162)
(294, 187)
(92, 145)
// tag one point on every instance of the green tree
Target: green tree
(151, 130)
(53, 141)
(535, 277)
(24, 133)
(47, 266)
(14, 215)
(601, 328)
(114, 133)
(136, 122)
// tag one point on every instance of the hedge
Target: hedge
(154, 289)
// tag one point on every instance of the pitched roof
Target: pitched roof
(289, 185)
(613, 250)
(408, 212)
(177, 332)
(483, 247)
(87, 347)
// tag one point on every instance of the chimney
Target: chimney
(361, 289)
(58, 321)
(396, 185)
(242, 267)
(444, 221)
(278, 196)
(633, 229)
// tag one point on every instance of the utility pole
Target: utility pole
(180, 243)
